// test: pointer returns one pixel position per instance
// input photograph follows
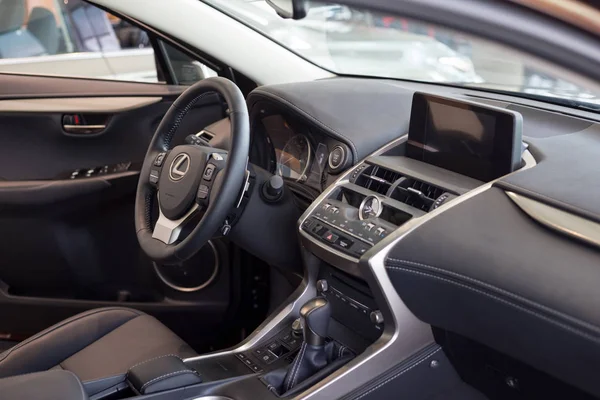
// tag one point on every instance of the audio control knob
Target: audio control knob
(322, 285)
(376, 317)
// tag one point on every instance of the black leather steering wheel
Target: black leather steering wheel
(191, 179)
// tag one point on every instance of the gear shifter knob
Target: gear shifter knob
(316, 314)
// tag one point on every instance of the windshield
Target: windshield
(350, 41)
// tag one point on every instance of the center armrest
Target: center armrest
(48, 385)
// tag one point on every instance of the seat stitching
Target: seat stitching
(499, 290)
(398, 374)
(497, 298)
(187, 371)
(42, 334)
(152, 359)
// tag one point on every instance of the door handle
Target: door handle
(84, 129)
(89, 124)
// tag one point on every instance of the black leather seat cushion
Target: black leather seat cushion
(99, 345)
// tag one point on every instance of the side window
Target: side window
(74, 38)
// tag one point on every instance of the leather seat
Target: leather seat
(99, 346)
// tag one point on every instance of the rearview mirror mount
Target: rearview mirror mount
(294, 9)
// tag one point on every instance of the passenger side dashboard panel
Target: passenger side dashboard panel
(491, 273)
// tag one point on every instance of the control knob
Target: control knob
(322, 285)
(376, 317)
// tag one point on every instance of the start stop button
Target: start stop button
(337, 159)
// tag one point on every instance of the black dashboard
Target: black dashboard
(509, 259)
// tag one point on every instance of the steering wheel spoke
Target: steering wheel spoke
(167, 230)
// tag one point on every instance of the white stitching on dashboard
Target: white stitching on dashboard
(398, 374)
(499, 290)
(545, 318)
(306, 114)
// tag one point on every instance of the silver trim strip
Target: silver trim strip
(561, 221)
(83, 127)
(72, 105)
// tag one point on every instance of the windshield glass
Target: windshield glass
(350, 41)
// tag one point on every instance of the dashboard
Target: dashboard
(496, 239)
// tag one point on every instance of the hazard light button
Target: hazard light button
(330, 237)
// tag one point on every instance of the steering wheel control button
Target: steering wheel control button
(203, 192)
(208, 172)
(154, 175)
(160, 158)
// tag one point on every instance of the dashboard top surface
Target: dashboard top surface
(366, 114)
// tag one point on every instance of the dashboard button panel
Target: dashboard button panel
(337, 224)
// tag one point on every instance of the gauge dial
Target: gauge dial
(293, 161)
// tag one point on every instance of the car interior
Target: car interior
(349, 237)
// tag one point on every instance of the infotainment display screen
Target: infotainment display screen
(478, 141)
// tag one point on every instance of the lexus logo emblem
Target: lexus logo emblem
(179, 167)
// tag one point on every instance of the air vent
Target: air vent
(377, 179)
(416, 193)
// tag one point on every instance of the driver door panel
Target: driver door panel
(68, 242)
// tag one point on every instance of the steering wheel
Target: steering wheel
(190, 180)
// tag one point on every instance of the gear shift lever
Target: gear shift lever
(316, 314)
(314, 356)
